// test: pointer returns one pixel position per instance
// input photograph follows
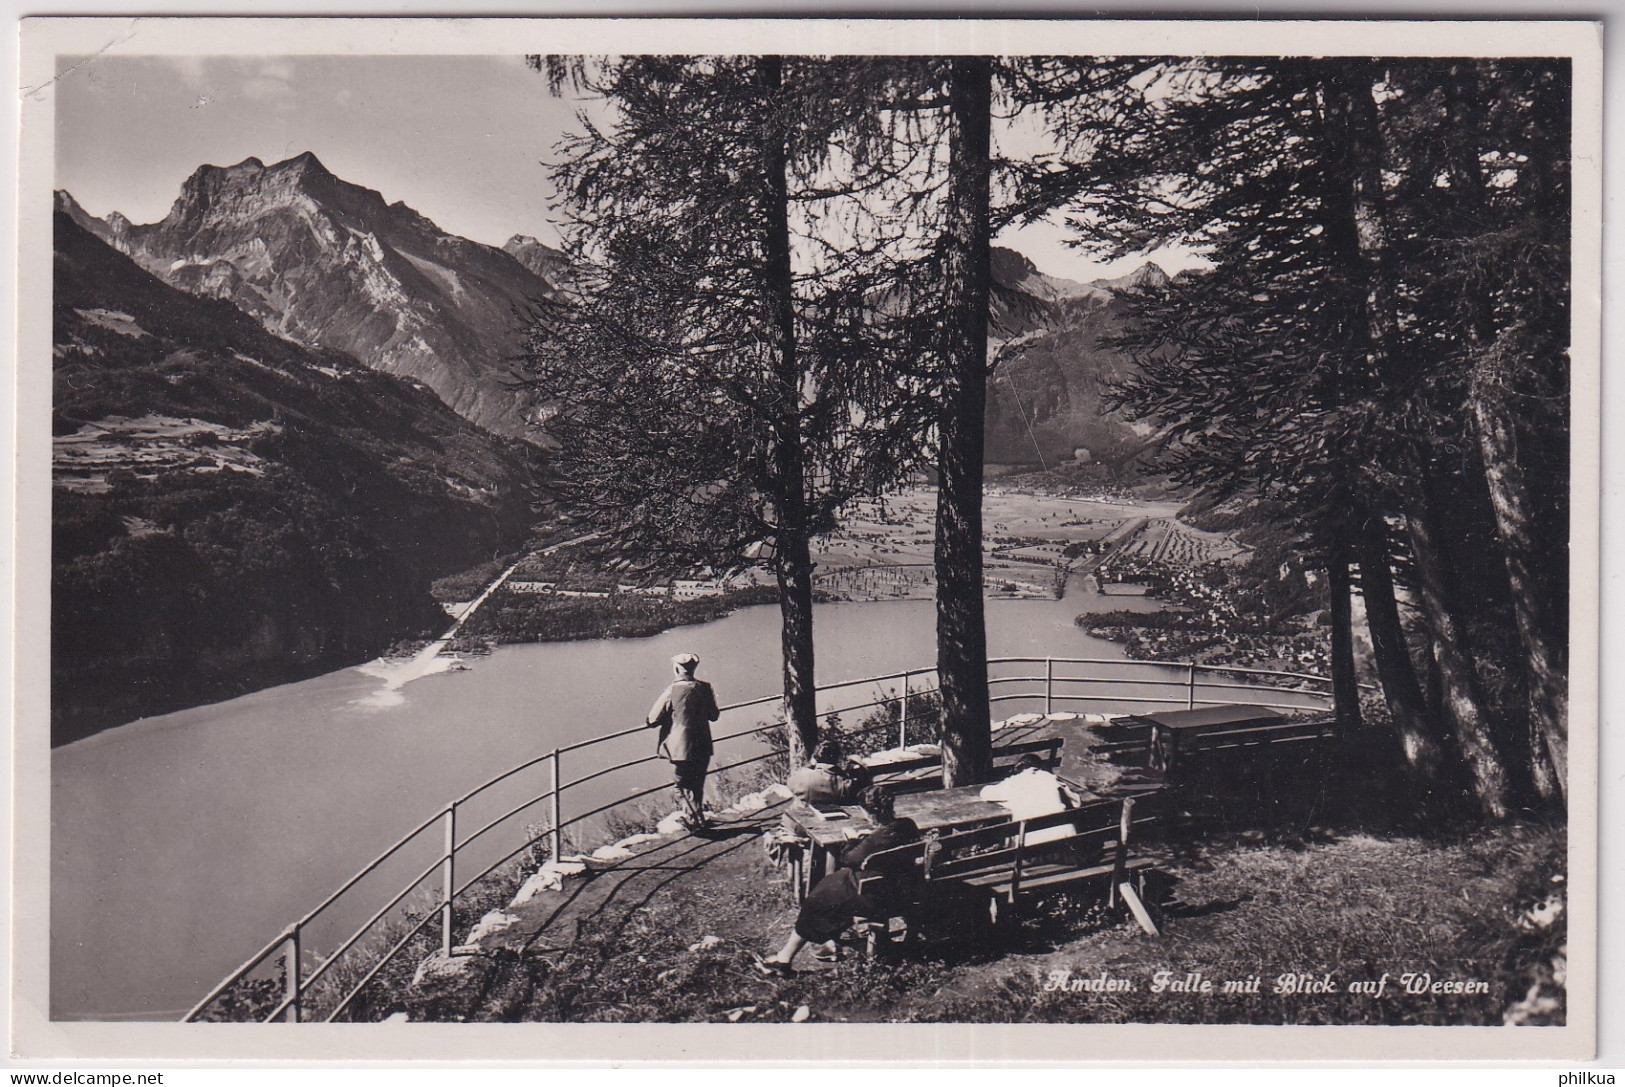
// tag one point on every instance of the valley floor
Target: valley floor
(1036, 546)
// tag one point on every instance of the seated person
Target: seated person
(836, 901)
(825, 780)
(1031, 791)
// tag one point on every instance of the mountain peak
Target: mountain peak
(1010, 267)
(324, 261)
(246, 168)
(305, 163)
(252, 172)
(537, 255)
(1149, 274)
(114, 229)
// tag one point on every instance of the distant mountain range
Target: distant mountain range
(545, 261)
(326, 263)
(232, 509)
(1045, 396)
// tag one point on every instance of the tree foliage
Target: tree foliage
(711, 375)
(785, 302)
(1379, 346)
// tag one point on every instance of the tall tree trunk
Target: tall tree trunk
(793, 558)
(1495, 421)
(1462, 705)
(794, 569)
(1345, 680)
(966, 729)
(1517, 527)
(1358, 147)
(1418, 733)
(1354, 237)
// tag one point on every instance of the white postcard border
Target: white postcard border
(35, 1035)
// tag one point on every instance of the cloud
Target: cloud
(189, 71)
(269, 81)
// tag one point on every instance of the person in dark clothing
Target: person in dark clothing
(683, 713)
(836, 901)
(826, 779)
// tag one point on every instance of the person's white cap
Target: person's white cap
(685, 661)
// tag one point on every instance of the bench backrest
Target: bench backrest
(1096, 831)
(1089, 832)
(1004, 757)
(1280, 729)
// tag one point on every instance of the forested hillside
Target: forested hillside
(1055, 364)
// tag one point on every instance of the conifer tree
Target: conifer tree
(699, 414)
(1337, 356)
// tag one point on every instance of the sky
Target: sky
(460, 139)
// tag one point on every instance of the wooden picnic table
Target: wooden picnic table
(892, 756)
(828, 832)
(920, 765)
(1178, 733)
(904, 767)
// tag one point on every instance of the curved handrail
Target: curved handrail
(1053, 690)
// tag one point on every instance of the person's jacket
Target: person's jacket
(820, 783)
(893, 834)
(903, 875)
(683, 713)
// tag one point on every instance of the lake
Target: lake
(183, 843)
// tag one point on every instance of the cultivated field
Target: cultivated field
(883, 550)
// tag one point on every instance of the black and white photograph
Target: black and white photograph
(537, 527)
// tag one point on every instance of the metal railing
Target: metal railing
(1185, 684)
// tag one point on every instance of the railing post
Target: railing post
(1049, 685)
(291, 974)
(902, 716)
(557, 833)
(449, 874)
(1190, 694)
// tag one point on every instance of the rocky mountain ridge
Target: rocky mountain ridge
(1054, 365)
(327, 263)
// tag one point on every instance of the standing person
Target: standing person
(683, 713)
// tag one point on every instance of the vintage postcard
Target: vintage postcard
(1071, 540)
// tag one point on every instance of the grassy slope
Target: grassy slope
(1295, 866)
(1356, 908)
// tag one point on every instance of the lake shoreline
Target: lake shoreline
(278, 769)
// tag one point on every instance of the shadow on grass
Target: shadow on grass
(611, 897)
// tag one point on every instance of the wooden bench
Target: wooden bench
(922, 772)
(1177, 735)
(1002, 868)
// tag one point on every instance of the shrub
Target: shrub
(876, 730)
